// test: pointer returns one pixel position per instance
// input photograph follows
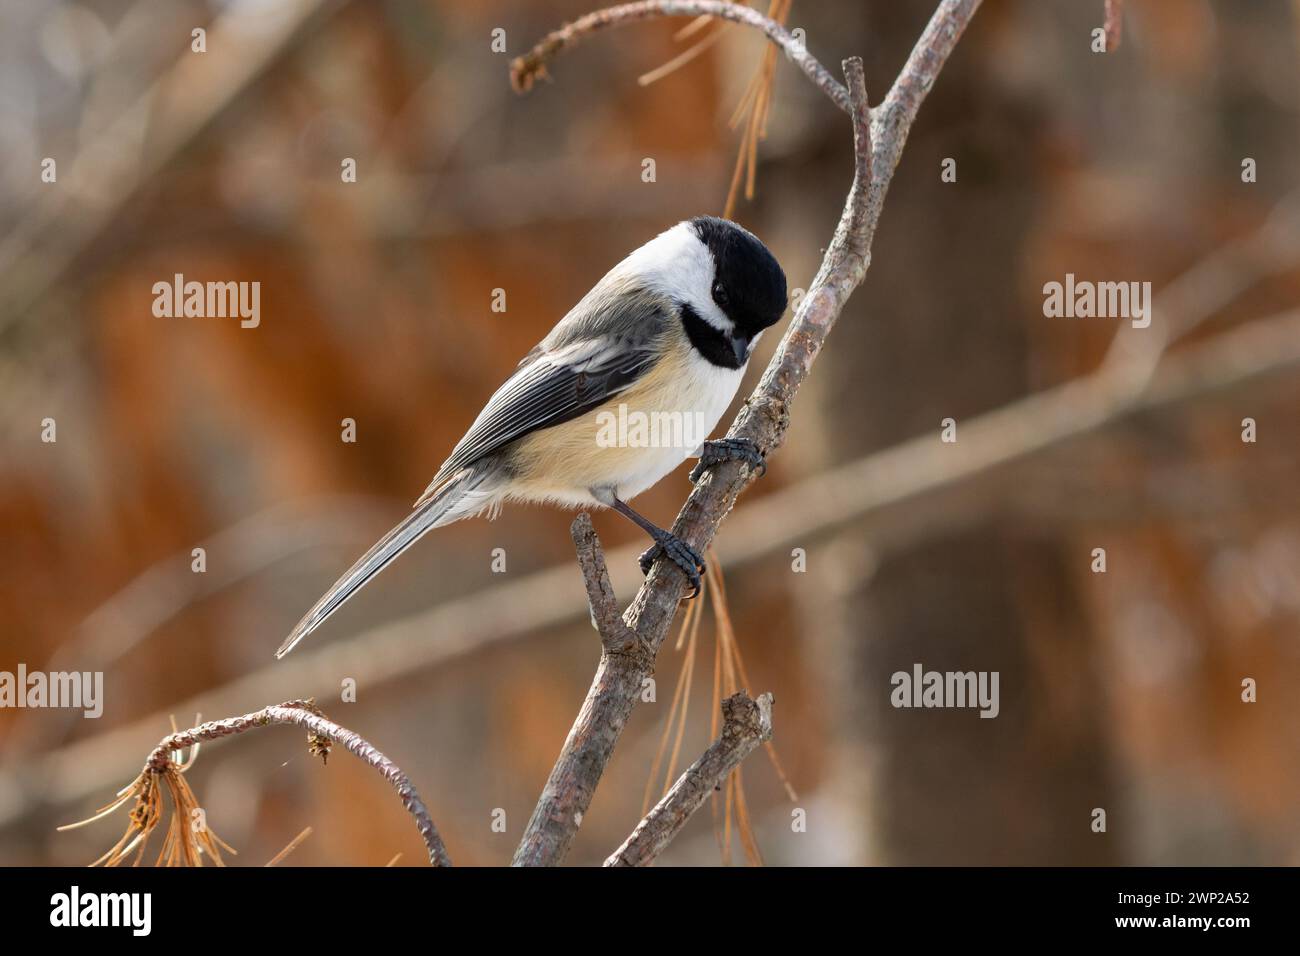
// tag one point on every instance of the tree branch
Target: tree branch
(615, 636)
(304, 713)
(625, 663)
(878, 138)
(527, 69)
(746, 724)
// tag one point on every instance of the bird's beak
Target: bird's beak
(740, 345)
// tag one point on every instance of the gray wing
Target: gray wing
(564, 377)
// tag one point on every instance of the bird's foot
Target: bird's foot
(729, 449)
(679, 553)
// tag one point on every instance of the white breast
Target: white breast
(632, 441)
(703, 395)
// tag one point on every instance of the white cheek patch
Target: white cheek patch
(708, 310)
(679, 266)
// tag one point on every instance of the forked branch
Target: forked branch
(746, 724)
(878, 138)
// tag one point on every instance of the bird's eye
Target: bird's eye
(719, 293)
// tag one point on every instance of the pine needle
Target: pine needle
(688, 673)
(755, 103)
(680, 690)
(745, 826)
(692, 28)
(754, 107)
(723, 612)
(681, 59)
(293, 845)
(729, 676)
(184, 844)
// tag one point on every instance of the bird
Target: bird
(667, 332)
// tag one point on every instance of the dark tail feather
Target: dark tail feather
(424, 518)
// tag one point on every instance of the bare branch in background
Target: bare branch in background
(746, 724)
(1203, 291)
(168, 587)
(878, 138)
(113, 167)
(922, 488)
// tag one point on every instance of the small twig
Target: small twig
(293, 845)
(303, 713)
(746, 724)
(681, 59)
(615, 636)
(525, 70)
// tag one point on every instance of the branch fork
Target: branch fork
(878, 138)
(747, 722)
(615, 636)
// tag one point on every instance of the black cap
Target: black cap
(749, 285)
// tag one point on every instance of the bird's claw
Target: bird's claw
(679, 553)
(729, 449)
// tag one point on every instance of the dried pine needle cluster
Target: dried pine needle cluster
(729, 676)
(754, 105)
(188, 839)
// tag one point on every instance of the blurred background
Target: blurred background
(869, 547)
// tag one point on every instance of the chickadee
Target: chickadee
(668, 330)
